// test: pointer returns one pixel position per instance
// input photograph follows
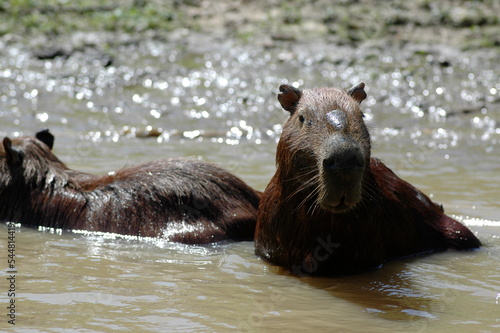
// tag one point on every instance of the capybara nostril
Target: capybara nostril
(329, 163)
(351, 158)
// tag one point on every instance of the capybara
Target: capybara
(181, 200)
(331, 208)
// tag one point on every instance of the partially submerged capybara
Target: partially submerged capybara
(331, 208)
(181, 200)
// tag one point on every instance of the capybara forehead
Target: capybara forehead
(323, 100)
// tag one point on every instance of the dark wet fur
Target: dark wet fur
(196, 201)
(393, 219)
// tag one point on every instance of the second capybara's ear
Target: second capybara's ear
(289, 97)
(46, 137)
(358, 92)
(14, 157)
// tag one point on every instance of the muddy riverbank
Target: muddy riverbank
(464, 24)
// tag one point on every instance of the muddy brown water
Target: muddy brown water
(434, 117)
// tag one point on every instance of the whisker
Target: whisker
(308, 197)
(369, 191)
(302, 187)
(315, 205)
(302, 174)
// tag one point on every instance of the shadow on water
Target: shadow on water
(388, 292)
(418, 290)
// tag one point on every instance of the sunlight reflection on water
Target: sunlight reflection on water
(435, 125)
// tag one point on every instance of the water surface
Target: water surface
(433, 114)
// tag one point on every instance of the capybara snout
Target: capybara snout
(342, 170)
(337, 157)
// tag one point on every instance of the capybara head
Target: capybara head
(28, 160)
(325, 145)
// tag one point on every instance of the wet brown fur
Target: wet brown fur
(388, 218)
(182, 200)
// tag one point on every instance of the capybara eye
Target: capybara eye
(301, 118)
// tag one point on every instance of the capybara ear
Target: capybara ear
(46, 137)
(358, 92)
(289, 97)
(14, 157)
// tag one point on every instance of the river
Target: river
(433, 113)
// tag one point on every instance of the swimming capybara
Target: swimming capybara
(331, 208)
(181, 200)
